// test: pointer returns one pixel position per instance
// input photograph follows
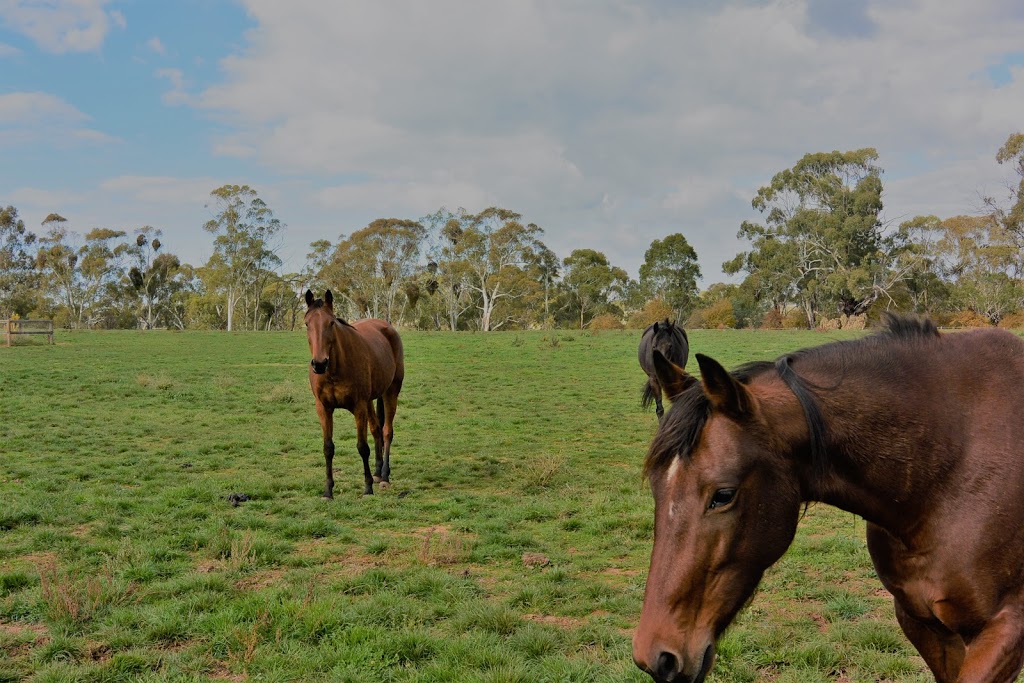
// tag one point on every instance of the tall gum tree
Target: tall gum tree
(19, 278)
(486, 253)
(244, 229)
(821, 241)
(670, 272)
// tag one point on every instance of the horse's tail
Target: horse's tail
(648, 397)
(380, 412)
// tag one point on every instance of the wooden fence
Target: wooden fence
(16, 327)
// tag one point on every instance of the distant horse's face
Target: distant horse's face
(320, 329)
(723, 514)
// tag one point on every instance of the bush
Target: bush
(719, 315)
(772, 320)
(968, 319)
(795, 320)
(1013, 321)
(606, 321)
(653, 311)
(696, 321)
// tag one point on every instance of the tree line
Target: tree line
(820, 256)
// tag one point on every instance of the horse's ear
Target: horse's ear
(309, 298)
(655, 326)
(672, 378)
(329, 299)
(723, 390)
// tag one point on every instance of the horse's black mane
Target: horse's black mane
(684, 422)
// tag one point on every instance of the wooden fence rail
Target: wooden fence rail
(16, 327)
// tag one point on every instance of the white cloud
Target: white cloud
(61, 26)
(609, 124)
(37, 118)
(156, 45)
(162, 189)
(23, 108)
(177, 94)
(8, 50)
(616, 123)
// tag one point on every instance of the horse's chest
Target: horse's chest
(335, 395)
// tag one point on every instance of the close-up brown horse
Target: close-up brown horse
(669, 341)
(354, 365)
(919, 433)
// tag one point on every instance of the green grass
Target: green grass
(122, 559)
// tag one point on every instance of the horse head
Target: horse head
(726, 507)
(320, 329)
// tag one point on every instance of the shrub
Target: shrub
(772, 320)
(606, 321)
(795, 320)
(968, 319)
(719, 315)
(653, 311)
(1013, 321)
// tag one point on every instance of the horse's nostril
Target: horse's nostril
(666, 666)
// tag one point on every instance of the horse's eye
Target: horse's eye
(722, 498)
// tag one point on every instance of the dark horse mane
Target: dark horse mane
(318, 303)
(680, 432)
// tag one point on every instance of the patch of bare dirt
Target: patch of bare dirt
(561, 622)
(18, 628)
(220, 672)
(619, 571)
(259, 580)
(209, 566)
(351, 563)
(35, 635)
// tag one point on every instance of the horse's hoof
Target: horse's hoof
(326, 497)
(384, 484)
(376, 479)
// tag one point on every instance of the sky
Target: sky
(608, 123)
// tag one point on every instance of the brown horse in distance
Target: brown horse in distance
(353, 365)
(921, 434)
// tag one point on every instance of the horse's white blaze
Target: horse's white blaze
(670, 476)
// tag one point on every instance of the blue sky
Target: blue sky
(609, 123)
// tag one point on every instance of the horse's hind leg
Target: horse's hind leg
(376, 421)
(659, 409)
(326, 416)
(390, 407)
(363, 416)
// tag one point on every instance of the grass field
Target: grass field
(122, 560)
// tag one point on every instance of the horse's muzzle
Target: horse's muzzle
(669, 669)
(319, 367)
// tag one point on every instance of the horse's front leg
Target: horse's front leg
(362, 419)
(996, 653)
(941, 649)
(326, 416)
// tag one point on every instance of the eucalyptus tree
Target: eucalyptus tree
(821, 241)
(81, 276)
(591, 283)
(372, 269)
(19, 279)
(486, 253)
(670, 272)
(151, 275)
(244, 250)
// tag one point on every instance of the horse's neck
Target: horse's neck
(881, 458)
(346, 341)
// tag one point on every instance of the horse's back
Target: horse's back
(383, 338)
